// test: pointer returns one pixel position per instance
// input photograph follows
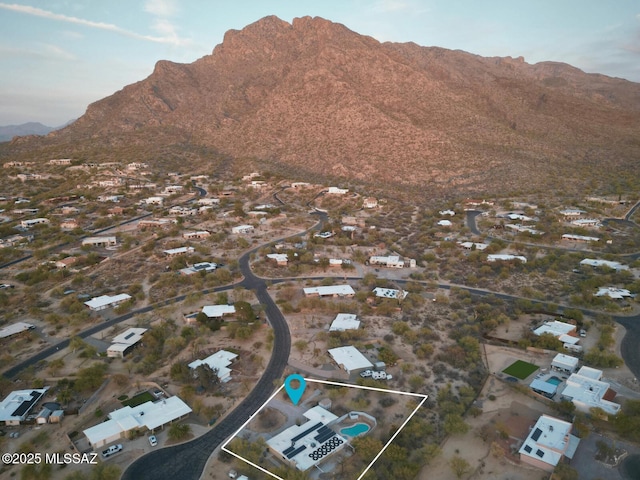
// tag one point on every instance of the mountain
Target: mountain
(319, 98)
(30, 128)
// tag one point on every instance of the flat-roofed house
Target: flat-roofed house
(16, 406)
(548, 442)
(345, 321)
(350, 359)
(106, 301)
(330, 291)
(125, 342)
(218, 362)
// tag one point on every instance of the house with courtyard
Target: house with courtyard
(586, 390)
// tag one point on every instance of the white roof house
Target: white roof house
(337, 191)
(148, 415)
(548, 442)
(306, 445)
(17, 405)
(390, 293)
(560, 330)
(564, 363)
(172, 252)
(505, 258)
(218, 311)
(593, 262)
(350, 359)
(470, 245)
(125, 342)
(242, 229)
(218, 362)
(330, 291)
(199, 267)
(15, 328)
(106, 301)
(587, 392)
(445, 223)
(392, 261)
(612, 292)
(109, 241)
(280, 258)
(579, 238)
(344, 321)
(451, 213)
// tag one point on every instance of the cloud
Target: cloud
(161, 8)
(38, 12)
(47, 52)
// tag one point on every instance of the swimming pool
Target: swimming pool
(554, 381)
(355, 430)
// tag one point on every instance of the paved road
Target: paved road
(187, 461)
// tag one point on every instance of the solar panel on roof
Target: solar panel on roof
(288, 451)
(129, 335)
(326, 436)
(306, 432)
(296, 451)
(27, 404)
(536, 434)
(527, 448)
(540, 453)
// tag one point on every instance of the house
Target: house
(242, 229)
(564, 363)
(199, 267)
(614, 293)
(33, 221)
(579, 238)
(330, 291)
(587, 222)
(450, 213)
(281, 259)
(523, 229)
(125, 342)
(99, 241)
(445, 223)
(586, 390)
(218, 311)
(60, 161)
(565, 332)
(106, 301)
(171, 189)
(370, 202)
(156, 223)
(66, 262)
(473, 245)
(109, 198)
(305, 446)
(15, 328)
(572, 212)
(174, 252)
(390, 293)
(350, 359)
(297, 184)
(209, 202)
(505, 258)
(392, 261)
(148, 416)
(337, 191)
(592, 262)
(196, 235)
(548, 442)
(344, 321)
(69, 224)
(154, 200)
(182, 211)
(16, 406)
(218, 362)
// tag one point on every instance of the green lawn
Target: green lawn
(138, 399)
(520, 369)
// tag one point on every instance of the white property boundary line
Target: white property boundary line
(338, 384)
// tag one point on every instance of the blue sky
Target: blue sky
(57, 56)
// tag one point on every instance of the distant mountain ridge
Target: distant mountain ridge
(316, 96)
(30, 128)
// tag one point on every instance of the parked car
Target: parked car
(153, 441)
(112, 450)
(366, 374)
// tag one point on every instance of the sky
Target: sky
(58, 56)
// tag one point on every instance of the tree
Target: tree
(455, 425)
(207, 376)
(179, 431)
(105, 471)
(565, 472)
(459, 466)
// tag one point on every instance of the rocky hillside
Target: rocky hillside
(318, 97)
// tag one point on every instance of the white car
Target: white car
(153, 441)
(111, 450)
(366, 374)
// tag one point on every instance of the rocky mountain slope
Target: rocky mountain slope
(315, 96)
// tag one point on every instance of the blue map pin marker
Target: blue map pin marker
(295, 394)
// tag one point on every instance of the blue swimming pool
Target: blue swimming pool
(355, 430)
(554, 381)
